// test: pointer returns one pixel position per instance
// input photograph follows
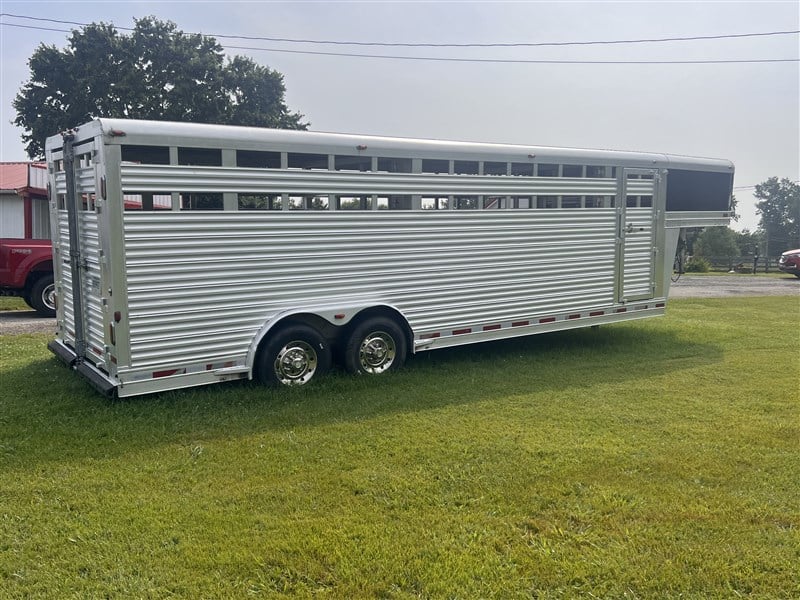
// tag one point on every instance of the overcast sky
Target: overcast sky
(747, 113)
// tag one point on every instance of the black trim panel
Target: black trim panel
(699, 190)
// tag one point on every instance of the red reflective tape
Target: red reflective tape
(621, 310)
(114, 359)
(547, 320)
(597, 313)
(165, 373)
(660, 305)
(574, 317)
(428, 336)
(209, 367)
(520, 323)
(491, 327)
(462, 331)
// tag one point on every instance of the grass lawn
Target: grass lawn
(13, 303)
(651, 459)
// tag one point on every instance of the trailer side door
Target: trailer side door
(637, 234)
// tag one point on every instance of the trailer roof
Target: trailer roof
(124, 131)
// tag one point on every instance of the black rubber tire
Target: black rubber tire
(41, 297)
(376, 346)
(293, 355)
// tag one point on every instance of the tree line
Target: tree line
(778, 208)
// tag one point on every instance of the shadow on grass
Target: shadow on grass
(48, 413)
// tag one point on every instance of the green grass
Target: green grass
(13, 303)
(653, 459)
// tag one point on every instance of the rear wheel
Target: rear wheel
(294, 355)
(42, 297)
(375, 346)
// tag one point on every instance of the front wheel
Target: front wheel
(42, 296)
(375, 346)
(293, 356)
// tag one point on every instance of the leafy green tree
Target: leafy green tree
(717, 242)
(750, 242)
(779, 208)
(156, 72)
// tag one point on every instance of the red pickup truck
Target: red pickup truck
(26, 270)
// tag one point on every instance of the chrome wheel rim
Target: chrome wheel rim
(377, 352)
(49, 296)
(296, 363)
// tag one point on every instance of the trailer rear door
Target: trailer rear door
(77, 244)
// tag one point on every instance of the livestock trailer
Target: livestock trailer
(188, 254)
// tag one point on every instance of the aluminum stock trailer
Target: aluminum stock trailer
(188, 254)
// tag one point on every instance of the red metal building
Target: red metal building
(23, 201)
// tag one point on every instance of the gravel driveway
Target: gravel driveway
(24, 321)
(688, 286)
(725, 286)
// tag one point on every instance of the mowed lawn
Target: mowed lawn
(651, 459)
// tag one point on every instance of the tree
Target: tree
(734, 205)
(717, 242)
(779, 208)
(751, 243)
(157, 72)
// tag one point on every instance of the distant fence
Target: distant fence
(742, 264)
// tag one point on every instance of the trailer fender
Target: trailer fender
(330, 322)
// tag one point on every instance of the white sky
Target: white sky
(748, 113)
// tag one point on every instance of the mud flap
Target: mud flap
(96, 378)
(67, 355)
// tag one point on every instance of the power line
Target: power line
(20, 26)
(752, 187)
(461, 60)
(436, 45)
(522, 61)
(517, 44)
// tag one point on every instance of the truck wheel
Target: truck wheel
(42, 297)
(375, 346)
(292, 356)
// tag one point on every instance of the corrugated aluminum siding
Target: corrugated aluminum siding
(90, 282)
(162, 178)
(638, 257)
(638, 270)
(200, 284)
